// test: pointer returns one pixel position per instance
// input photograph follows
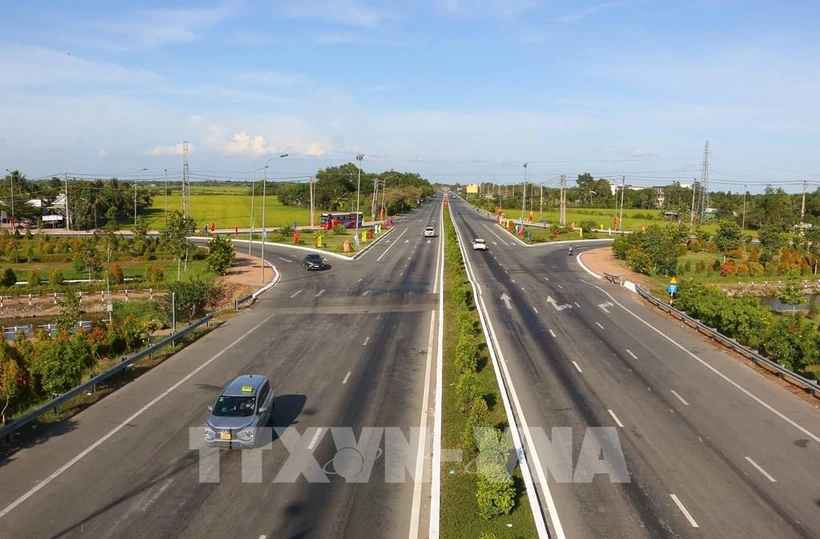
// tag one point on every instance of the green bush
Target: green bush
(467, 354)
(9, 278)
(33, 279)
(55, 278)
(468, 389)
(639, 261)
(478, 416)
(496, 491)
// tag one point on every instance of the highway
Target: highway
(712, 448)
(351, 346)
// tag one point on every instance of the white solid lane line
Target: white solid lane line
(618, 421)
(761, 470)
(392, 244)
(731, 382)
(285, 259)
(628, 351)
(552, 333)
(314, 439)
(675, 393)
(577, 367)
(684, 511)
(599, 325)
(347, 376)
(296, 293)
(125, 423)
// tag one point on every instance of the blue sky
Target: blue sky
(458, 90)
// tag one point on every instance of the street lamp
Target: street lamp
(264, 190)
(384, 188)
(135, 194)
(11, 179)
(359, 158)
(253, 195)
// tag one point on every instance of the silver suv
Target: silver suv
(243, 407)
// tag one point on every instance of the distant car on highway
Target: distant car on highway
(479, 245)
(429, 232)
(244, 406)
(313, 261)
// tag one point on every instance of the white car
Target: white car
(479, 245)
(429, 232)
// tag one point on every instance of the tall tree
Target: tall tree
(175, 238)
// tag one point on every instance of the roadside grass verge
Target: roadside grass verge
(470, 506)
(331, 242)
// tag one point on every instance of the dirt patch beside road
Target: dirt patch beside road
(602, 260)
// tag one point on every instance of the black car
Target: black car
(313, 262)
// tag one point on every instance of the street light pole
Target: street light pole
(359, 158)
(384, 188)
(253, 195)
(135, 194)
(264, 192)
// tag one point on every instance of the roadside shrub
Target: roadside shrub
(695, 246)
(468, 389)
(478, 415)
(153, 274)
(339, 230)
(467, 354)
(55, 278)
(9, 278)
(700, 266)
(466, 323)
(756, 269)
(728, 268)
(682, 250)
(33, 279)
(639, 261)
(116, 274)
(588, 225)
(495, 492)
(711, 247)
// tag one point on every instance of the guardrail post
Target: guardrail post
(55, 298)
(29, 300)
(151, 293)
(236, 304)
(126, 294)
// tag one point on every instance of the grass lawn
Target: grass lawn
(227, 207)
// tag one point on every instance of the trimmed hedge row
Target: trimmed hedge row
(495, 489)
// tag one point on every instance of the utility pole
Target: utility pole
(384, 208)
(310, 188)
(359, 158)
(692, 213)
(186, 187)
(743, 222)
(166, 197)
(623, 191)
(67, 224)
(562, 219)
(705, 180)
(524, 196)
(541, 211)
(803, 208)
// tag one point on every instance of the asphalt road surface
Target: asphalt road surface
(712, 448)
(350, 346)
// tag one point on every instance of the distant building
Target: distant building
(659, 197)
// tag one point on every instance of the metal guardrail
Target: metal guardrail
(10, 332)
(617, 279)
(240, 301)
(810, 386)
(55, 403)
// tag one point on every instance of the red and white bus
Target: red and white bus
(346, 219)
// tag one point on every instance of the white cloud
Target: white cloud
(244, 144)
(101, 153)
(346, 12)
(580, 14)
(641, 152)
(483, 9)
(174, 149)
(274, 78)
(26, 65)
(156, 27)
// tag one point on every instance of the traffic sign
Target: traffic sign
(674, 280)
(672, 289)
